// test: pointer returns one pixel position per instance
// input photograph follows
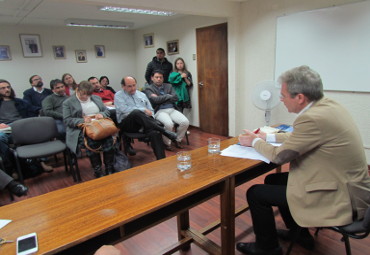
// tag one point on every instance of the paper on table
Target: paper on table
(3, 223)
(239, 151)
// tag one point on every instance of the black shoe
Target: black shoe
(304, 239)
(170, 135)
(178, 145)
(17, 188)
(251, 248)
(168, 148)
(130, 151)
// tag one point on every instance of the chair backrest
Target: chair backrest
(33, 130)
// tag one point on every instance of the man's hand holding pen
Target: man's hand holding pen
(247, 138)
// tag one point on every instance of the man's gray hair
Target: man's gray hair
(303, 80)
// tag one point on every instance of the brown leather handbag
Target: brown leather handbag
(99, 129)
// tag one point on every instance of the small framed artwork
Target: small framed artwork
(81, 56)
(5, 53)
(149, 40)
(59, 52)
(173, 47)
(100, 51)
(31, 45)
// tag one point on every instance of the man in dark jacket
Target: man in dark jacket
(52, 105)
(159, 62)
(11, 109)
(37, 93)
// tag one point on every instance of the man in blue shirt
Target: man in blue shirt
(135, 113)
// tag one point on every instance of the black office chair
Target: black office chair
(35, 138)
(359, 229)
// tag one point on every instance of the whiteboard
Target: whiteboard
(333, 41)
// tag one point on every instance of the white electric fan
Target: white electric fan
(265, 96)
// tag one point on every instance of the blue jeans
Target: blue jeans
(5, 139)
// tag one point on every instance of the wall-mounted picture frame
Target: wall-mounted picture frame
(31, 45)
(81, 56)
(59, 52)
(5, 53)
(148, 40)
(173, 47)
(99, 51)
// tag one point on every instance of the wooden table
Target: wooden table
(79, 219)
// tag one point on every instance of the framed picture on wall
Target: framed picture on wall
(59, 52)
(31, 45)
(173, 47)
(100, 51)
(81, 56)
(5, 53)
(149, 40)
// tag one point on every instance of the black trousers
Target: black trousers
(261, 198)
(137, 120)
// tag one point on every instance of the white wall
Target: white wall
(119, 49)
(182, 29)
(257, 58)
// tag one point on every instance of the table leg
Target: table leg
(183, 224)
(228, 217)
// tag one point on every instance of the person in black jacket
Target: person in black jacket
(159, 62)
(37, 93)
(11, 109)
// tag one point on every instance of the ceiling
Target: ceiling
(55, 12)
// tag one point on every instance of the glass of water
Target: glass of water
(183, 160)
(214, 145)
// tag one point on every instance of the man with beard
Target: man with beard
(52, 105)
(36, 94)
(11, 109)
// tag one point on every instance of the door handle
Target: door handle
(200, 84)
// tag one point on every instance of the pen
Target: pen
(256, 131)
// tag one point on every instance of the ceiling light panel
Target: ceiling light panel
(136, 11)
(98, 23)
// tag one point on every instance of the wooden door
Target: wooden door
(212, 62)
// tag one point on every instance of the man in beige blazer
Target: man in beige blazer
(328, 183)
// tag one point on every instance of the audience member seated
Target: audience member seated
(80, 108)
(328, 183)
(14, 187)
(182, 81)
(106, 95)
(163, 98)
(12, 109)
(104, 82)
(52, 105)
(135, 113)
(37, 93)
(69, 83)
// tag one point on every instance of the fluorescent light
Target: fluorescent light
(98, 23)
(136, 11)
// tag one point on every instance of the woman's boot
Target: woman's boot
(95, 161)
(109, 161)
